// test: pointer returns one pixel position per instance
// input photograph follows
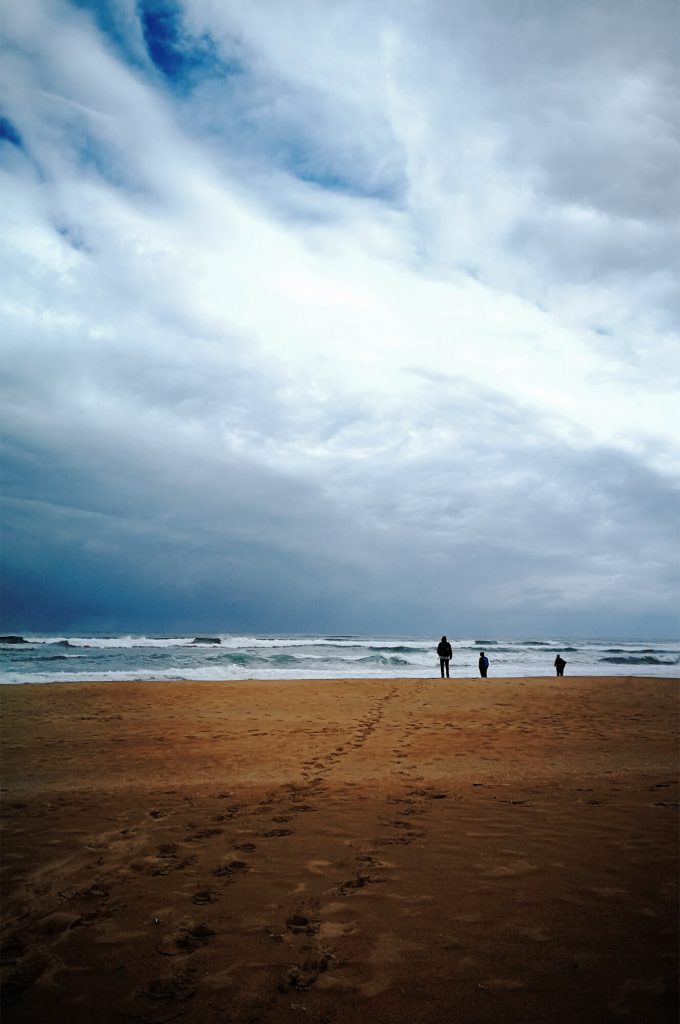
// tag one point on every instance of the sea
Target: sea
(33, 658)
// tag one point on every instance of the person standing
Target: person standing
(559, 665)
(483, 664)
(444, 651)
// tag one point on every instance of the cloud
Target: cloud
(340, 318)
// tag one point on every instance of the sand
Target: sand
(373, 851)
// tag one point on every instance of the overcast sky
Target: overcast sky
(341, 315)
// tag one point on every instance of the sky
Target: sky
(334, 315)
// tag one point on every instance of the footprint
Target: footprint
(204, 896)
(205, 833)
(235, 867)
(275, 833)
(301, 978)
(195, 937)
(367, 861)
(301, 924)
(354, 884)
(167, 849)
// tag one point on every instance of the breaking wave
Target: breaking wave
(645, 659)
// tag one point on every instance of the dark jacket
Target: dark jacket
(444, 649)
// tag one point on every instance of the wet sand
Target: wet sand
(341, 851)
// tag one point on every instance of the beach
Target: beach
(341, 851)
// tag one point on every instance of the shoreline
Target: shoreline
(337, 851)
(320, 679)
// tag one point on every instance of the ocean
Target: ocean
(106, 657)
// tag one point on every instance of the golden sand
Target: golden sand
(341, 851)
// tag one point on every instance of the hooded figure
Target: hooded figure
(483, 664)
(559, 665)
(444, 651)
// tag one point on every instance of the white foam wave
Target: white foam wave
(115, 642)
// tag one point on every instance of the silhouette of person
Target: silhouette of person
(483, 664)
(444, 651)
(559, 665)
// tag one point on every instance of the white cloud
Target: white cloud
(446, 356)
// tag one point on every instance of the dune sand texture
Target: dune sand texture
(341, 851)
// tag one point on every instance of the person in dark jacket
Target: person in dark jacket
(444, 651)
(559, 665)
(483, 664)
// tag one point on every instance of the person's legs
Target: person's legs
(441, 666)
(447, 668)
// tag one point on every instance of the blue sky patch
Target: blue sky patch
(183, 59)
(8, 133)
